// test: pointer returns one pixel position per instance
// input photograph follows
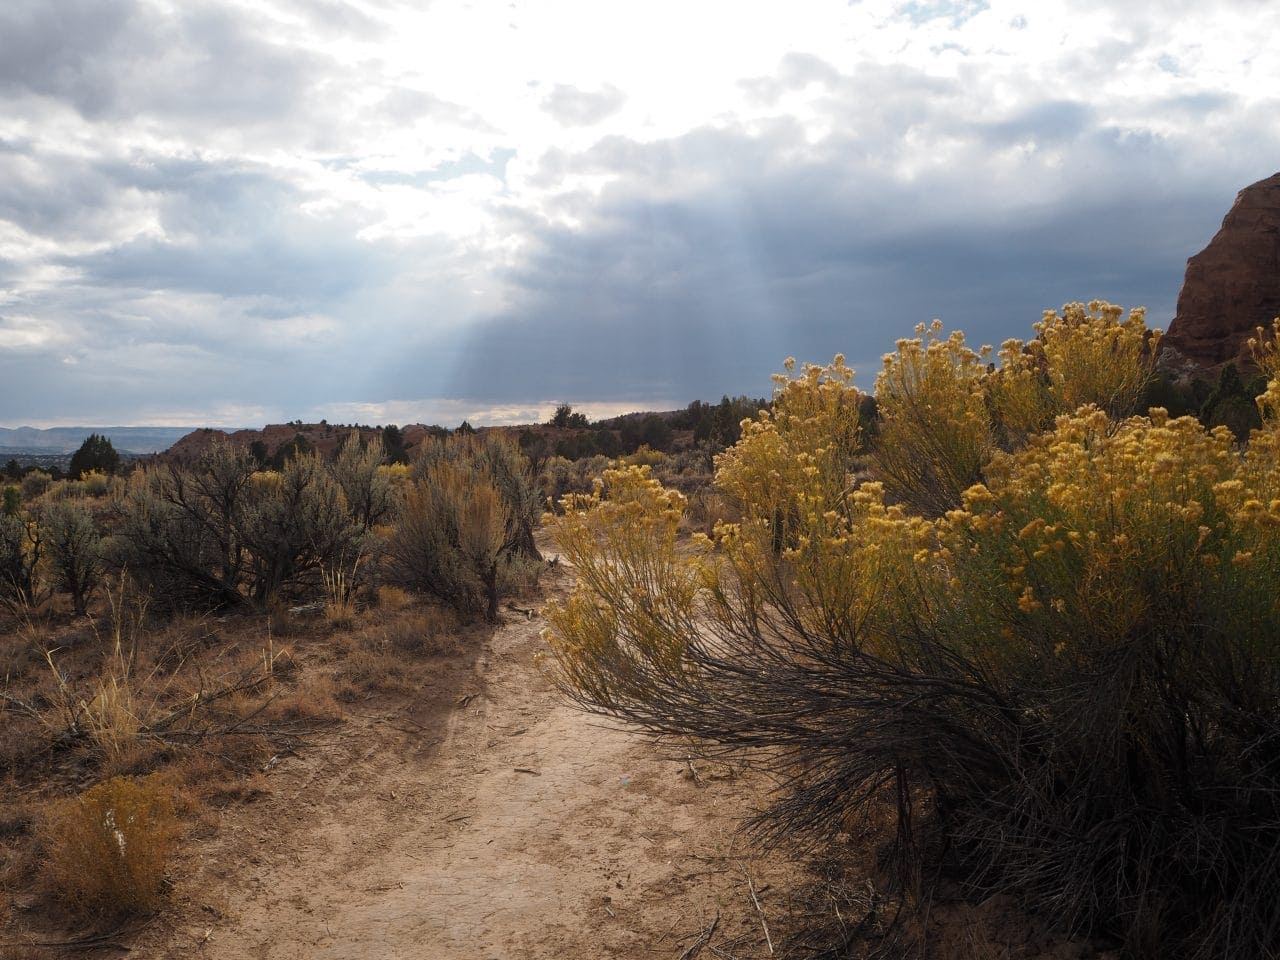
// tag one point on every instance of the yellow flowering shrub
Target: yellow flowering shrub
(634, 606)
(108, 847)
(1047, 624)
(1093, 356)
(935, 430)
(802, 448)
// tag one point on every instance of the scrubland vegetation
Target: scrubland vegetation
(1016, 603)
(156, 628)
(1026, 608)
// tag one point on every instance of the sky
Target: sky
(376, 211)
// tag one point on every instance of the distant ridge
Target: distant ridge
(58, 440)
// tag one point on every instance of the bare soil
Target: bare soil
(485, 818)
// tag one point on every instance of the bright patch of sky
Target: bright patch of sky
(382, 210)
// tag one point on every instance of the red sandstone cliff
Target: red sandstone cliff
(1232, 286)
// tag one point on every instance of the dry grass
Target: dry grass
(340, 596)
(394, 598)
(107, 848)
(174, 721)
(431, 631)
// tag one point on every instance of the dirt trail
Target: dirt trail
(491, 821)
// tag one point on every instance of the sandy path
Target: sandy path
(420, 836)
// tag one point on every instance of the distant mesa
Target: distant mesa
(1231, 288)
(277, 439)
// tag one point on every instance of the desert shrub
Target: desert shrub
(12, 500)
(66, 490)
(451, 539)
(21, 548)
(560, 476)
(96, 483)
(1092, 356)
(465, 523)
(294, 526)
(935, 429)
(221, 533)
(1067, 680)
(795, 458)
(74, 550)
(34, 484)
(944, 409)
(107, 848)
(645, 456)
(177, 529)
(367, 487)
(498, 458)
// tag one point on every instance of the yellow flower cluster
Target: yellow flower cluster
(1092, 356)
(1083, 532)
(936, 432)
(1080, 523)
(636, 587)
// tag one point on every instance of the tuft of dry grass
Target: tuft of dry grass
(340, 597)
(111, 716)
(431, 631)
(107, 848)
(393, 598)
(313, 697)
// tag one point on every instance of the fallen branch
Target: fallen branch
(704, 938)
(764, 923)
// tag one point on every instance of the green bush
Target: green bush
(74, 549)
(368, 490)
(217, 533)
(293, 526)
(96, 454)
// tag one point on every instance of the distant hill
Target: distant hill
(66, 440)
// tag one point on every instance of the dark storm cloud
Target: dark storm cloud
(715, 255)
(571, 107)
(201, 63)
(233, 232)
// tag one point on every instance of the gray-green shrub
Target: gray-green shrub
(217, 533)
(74, 550)
(20, 551)
(465, 530)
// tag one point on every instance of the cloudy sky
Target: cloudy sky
(215, 212)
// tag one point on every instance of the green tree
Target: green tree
(96, 453)
(564, 418)
(292, 449)
(393, 443)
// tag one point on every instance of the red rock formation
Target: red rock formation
(1232, 286)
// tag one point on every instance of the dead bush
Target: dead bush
(107, 848)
